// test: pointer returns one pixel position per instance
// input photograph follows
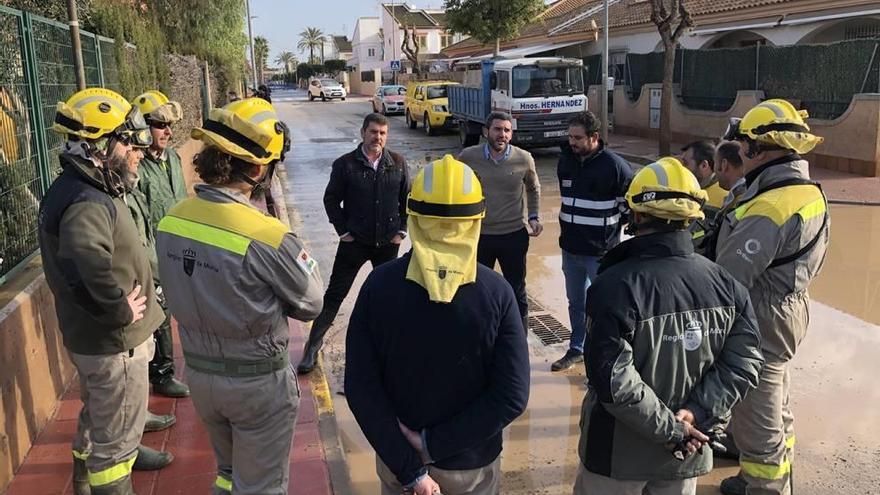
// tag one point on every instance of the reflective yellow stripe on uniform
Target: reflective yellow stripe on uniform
(229, 226)
(698, 234)
(111, 474)
(223, 483)
(80, 455)
(205, 234)
(779, 205)
(789, 443)
(766, 471)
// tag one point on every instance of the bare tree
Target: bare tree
(672, 20)
(410, 47)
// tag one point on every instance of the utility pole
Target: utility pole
(251, 43)
(604, 88)
(73, 22)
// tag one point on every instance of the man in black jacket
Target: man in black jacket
(433, 388)
(592, 180)
(673, 347)
(366, 203)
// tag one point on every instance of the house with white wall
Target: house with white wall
(366, 45)
(429, 26)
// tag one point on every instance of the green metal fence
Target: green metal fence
(37, 61)
(822, 78)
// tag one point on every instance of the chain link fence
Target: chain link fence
(37, 61)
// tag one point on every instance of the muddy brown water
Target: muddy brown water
(834, 395)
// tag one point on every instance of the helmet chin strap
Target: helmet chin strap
(263, 186)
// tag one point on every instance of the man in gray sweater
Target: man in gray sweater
(511, 188)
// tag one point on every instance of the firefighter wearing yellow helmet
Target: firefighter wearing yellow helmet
(232, 275)
(450, 370)
(660, 318)
(774, 242)
(99, 272)
(160, 186)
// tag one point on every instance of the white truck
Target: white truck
(541, 94)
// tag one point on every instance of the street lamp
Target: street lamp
(604, 88)
(251, 43)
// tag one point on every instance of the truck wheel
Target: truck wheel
(323, 98)
(409, 121)
(429, 131)
(311, 96)
(343, 98)
(466, 138)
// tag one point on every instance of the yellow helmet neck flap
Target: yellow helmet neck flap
(445, 209)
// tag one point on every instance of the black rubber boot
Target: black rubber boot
(158, 422)
(171, 387)
(735, 485)
(151, 460)
(310, 354)
(80, 478)
(121, 487)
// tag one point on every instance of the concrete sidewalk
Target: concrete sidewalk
(840, 187)
(48, 467)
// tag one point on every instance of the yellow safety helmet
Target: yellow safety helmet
(156, 107)
(446, 188)
(248, 129)
(775, 122)
(666, 189)
(97, 112)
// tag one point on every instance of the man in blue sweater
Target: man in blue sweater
(433, 388)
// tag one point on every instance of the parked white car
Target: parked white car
(326, 89)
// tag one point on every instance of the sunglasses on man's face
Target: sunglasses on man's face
(159, 125)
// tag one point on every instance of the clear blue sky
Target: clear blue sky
(281, 21)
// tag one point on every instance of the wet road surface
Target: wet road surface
(835, 398)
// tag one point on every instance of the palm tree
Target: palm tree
(310, 39)
(286, 59)
(261, 53)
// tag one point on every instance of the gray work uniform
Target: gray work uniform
(233, 276)
(761, 231)
(114, 391)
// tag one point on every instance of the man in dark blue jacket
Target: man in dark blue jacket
(433, 388)
(592, 182)
(366, 203)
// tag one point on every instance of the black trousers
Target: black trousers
(162, 365)
(509, 250)
(350, 257)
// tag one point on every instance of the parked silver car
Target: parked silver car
(389, 99)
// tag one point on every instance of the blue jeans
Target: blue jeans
(579, 271)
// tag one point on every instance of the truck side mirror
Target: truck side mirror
(493, 80)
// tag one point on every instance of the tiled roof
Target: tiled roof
(635, 12)
(571, 17)
(410, 18)
(342, 43)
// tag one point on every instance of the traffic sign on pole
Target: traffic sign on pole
(395, 65)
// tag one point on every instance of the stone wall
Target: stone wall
(852, 141)
(187, 76)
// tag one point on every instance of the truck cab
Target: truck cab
(427, 103)
(541, 94)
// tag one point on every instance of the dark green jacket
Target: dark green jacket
(162, 184)
(140, 212)
(93, 257)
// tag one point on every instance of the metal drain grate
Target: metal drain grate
(535, 306)
(333, 140)
(545, 325)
